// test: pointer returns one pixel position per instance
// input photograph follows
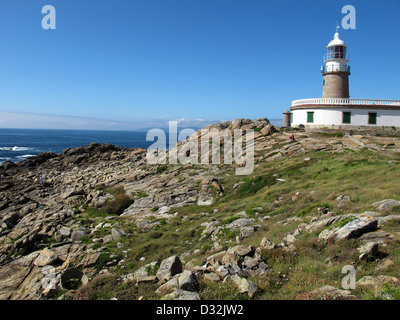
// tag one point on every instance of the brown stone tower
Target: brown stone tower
(336, 71)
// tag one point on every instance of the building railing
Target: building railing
(335, 69)
(345, 102)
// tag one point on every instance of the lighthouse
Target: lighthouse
(336, 71)
(335, 110)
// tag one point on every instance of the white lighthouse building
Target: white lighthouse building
(335, 109)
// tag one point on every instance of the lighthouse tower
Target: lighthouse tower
(336, 71)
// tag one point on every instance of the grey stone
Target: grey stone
(386, 204)
(45, 258)
(187, 281)
(65, 231)
(239, 223)
(79, 233)
(212, 276)
(168, 268)
(117, 234)
(181, 295)
(354, 229)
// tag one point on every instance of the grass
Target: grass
(253, 185)
(364, 176)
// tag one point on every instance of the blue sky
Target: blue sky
(125, 64)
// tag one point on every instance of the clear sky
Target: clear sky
(123, 64)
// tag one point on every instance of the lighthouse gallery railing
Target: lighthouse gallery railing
(345, 102)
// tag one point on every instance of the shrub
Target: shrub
(118, 204)
(100, 288)
(253, 185)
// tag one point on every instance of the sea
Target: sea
(19, 144)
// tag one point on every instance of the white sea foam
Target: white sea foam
(15, 148)
(25, 156)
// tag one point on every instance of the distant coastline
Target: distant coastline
(19, 144)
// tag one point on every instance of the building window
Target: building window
(346, 117)
(310, 117)
(372, 117)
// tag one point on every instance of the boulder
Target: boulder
(65, 231)
(267, 244)
(354, 229)
(368, 250)
(212, 277)
(386, 204)
(244, 285)
(79, 233)
(46, 257)
(187, 281)
(168, 287)
(181, 295)
(168, 268)
(117, 234)
(239, 223)
(330, 292)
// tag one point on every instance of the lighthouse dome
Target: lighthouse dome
(336, 41)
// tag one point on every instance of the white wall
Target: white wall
(359, 117)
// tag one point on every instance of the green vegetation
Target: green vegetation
(251, 186)
(365, 177)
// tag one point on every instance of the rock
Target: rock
(290, 238)
(163, 210)
(46, 257)
(168, 268)
(379, 236)
(212, 276)
(251, 262)
(14, 273)
(244, 285)
(377, 281)
(147, 272)
(239, 223)
(79, 233)
(107, 238)
(65, 231)
(246, 232)
(267, 244)
(187, 281)
(241, 250)
(117, 234)
(368, 250)
(321, 223)
(330, 292)
(168, 287)
(354, 229)
(205, 200)
(181, 295)
(386, 219)
(386, 204)
(90, 259)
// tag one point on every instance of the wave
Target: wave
(25, 156)
(15, 148)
